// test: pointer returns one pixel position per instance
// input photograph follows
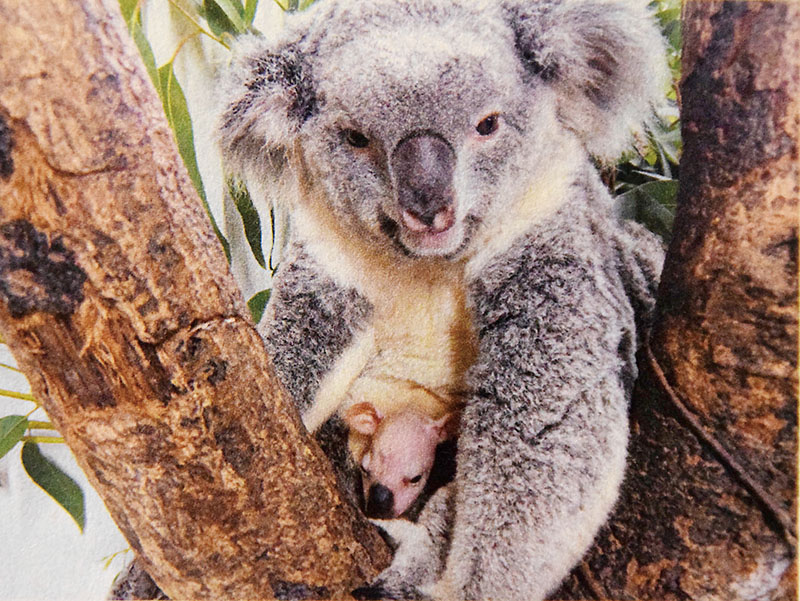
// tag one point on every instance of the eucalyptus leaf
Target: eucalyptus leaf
(133, 18)
(218, 21)
(129, 10)
(250, 11)
(54, 482)
(651, 204)
(234, 10)
(180, 121)
(250, 218)
(258, 303)
(146, 52)
(12, 429)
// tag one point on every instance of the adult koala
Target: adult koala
(448, 145)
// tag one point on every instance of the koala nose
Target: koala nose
(423, 167)
(380, 502)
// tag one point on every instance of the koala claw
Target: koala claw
(369, 592)
(378, 591)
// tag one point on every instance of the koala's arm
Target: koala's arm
(310, 321)
(544, 434)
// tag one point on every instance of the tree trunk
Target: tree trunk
(119, 307)
(708, 507)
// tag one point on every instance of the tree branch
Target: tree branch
(118, 304)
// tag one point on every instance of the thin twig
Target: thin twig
(17, 395)
(767, 502)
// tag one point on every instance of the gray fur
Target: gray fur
(559, 309)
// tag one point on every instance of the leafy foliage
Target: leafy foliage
(647, 180)
(12, 429)
(250, 219)
(54, 482)
(258, 303)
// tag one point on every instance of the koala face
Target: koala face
(418, 121)
(412, 148)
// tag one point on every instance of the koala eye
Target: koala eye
(415, 479)
(488, 125)
(355, 138)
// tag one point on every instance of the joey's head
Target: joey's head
(417, 121)
(399, 455)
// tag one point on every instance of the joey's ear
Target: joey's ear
(363, 418)
(266, 95)
(605, 60)
(446, 426)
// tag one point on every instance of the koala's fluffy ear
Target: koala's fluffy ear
(267, 94)
(605, 59)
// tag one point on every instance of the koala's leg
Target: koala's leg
(420, 549)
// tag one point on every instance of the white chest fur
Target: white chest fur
(420, 340)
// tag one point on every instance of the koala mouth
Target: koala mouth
(443, 237)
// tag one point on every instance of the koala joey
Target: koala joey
(438, 162)
(396, 452)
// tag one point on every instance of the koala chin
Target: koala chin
(450, 233)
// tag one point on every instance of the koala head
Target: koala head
(417, 121)
(399, 455)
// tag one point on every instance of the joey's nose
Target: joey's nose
(423, 167)
(380, 501)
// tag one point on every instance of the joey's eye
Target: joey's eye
(355, 138)
(415, 479)
(488, 125)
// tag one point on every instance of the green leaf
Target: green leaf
(146, 52)
(12, 429)
(129, 10)
(55, 482)
(234, 10)
(219, 20)
(651, 204)
(250, 11)
(258, 303)
(250, 219)
(177, 112)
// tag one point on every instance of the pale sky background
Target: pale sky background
(43, 555)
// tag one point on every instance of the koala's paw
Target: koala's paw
(401, 532)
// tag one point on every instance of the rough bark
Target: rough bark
(118, 304)
(708, 507)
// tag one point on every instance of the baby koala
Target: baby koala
(396, 451)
